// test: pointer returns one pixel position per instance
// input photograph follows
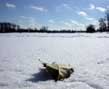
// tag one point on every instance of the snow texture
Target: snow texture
(87, 53)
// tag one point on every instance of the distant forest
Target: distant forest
(7, 27)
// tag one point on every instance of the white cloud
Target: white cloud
(101, 9)
(82, 13)
(51, 21)
(67, 24)
(10, 5)
(39, 8)
(72, 24)
(28, 22)
(77, 23)
(63, 7)
(25, 17)
(66, 6)
(92, 7)
(89, 18)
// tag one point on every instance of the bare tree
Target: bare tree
(102, 24)
(107, 18)
(44, 28)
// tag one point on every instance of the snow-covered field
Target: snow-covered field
(87, 53)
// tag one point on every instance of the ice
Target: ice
(87, 53)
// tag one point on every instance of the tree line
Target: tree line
(103, 27)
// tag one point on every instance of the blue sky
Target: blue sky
(56, 14)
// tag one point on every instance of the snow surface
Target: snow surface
(87, 53)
